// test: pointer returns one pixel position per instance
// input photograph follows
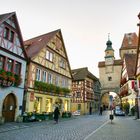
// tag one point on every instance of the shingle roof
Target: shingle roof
(116, 62)
(130, 41)
(34, 45)
(130, 60)
(82, 73)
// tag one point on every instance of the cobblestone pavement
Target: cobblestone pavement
(89, 127)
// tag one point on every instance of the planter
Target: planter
(19, 119)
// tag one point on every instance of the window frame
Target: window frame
(38, 75)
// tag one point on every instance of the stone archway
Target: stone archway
(107, 93)
(9, 106)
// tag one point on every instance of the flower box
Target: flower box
(8, 79)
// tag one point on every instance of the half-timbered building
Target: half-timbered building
(128, 54)
(48, 74)
(12, 67)
(127, 92)
(83, 97)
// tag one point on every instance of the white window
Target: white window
(38, 74)
(44, 76)
(62, 64)
(49, 55)
(50, 77)
(57, 81)
(64, 82)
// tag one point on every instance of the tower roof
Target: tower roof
(109, 45)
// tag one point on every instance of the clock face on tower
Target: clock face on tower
(109, 61)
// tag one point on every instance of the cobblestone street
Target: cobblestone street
(87, 127)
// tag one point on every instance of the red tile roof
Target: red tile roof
(34, 45)
(130, 41)
(130, 60)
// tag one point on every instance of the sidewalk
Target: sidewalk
(122, 128)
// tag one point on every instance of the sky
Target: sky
(84, 24)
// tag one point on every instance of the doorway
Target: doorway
(9, 106)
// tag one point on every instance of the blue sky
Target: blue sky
(85, 24)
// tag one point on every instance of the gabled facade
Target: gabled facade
(12, 67)
(83, 96)
(129, 44)
(127, 92)
(48, 80)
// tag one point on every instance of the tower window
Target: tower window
(109, 78)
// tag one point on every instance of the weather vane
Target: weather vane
(108, 36)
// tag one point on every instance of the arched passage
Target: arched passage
(105, 99)
(9, 106)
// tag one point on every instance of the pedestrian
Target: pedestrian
(56, 114)
(90, 110)
(101, 110)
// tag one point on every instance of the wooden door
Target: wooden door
(9, 106)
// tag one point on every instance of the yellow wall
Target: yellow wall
(84, 109)
(30, 104)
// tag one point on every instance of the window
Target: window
(49, 55)
(38, 74)
(6, 32)
(63, 82)
(62, 64)
(9, 65)
(57, 81)
(78, 94)
(109, 78)
(49, 78)
(37, 104)
(44, 76)
(79, 107)
(1, 62)
(17, 68)
(11, 36)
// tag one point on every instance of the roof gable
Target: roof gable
(40, 43)
(15, 25)
(82, 73)
(130, 40)
(36, 44)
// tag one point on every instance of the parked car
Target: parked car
(76, 113)
(119, 112)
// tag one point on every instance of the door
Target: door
(9, 106)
